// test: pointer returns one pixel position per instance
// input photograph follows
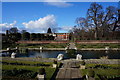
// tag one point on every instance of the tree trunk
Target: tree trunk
(96, 33)
(103, 33)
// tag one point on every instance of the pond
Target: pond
(54, 54)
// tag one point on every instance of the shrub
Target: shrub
(41, 71)
(91, 73)
(14, 71)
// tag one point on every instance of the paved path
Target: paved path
(69, 70)
(29, 59)
(14, 49)
(68, 73)
(72, 46)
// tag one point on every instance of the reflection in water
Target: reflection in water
(71, 53)
(98, 54)
(54, 54)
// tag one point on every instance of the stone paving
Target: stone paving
(69, 70)
(29, 59)
(72, 46)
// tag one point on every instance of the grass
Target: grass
(107, 65)
(101, 71)
(49, 70)
(107, 72)
(112, 45)
(83, 71)
(63, 45)
(50, 45)
(54, 45)
(28, 62)
(104, 72)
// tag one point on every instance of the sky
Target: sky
(37, 17)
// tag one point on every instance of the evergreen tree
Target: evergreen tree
(49, 30)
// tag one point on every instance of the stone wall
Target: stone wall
(79, 42)
(103, 61)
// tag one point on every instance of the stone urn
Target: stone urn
(79, 57)
(41, 76)
(107, 48)
(41, 48)
(60, 57)
(16, 48)
(8, 49)
(13, 55)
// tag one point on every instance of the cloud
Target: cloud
(37, 26)
(7, 26)
(58, 3)
(67, 28)
(41, 25)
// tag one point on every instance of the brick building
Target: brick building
(62, 36)
(58, 36)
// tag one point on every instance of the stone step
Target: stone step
(68, 73)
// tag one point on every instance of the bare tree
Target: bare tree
(106, 20)
(99, 22)
(93, 15)
(102, 21)
(80, 21)
(117, 21)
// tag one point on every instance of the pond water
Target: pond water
(54, 54)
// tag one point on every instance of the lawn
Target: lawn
(108, 70)
(48, 69)
(105, 65)
(112, 45)
(50, 45)
(102, 72)
(28, 62)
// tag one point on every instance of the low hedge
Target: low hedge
(101, 72)
(29, 63)
(103, 66)
(20, 73)
(112, 45)
(25, 64)
(49, 70)
(50, 45)
(91, 73)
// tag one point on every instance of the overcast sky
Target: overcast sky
(39, 16)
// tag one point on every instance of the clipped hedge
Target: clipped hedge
(49, 70)
(91, 73)
(20, 73)
(103, 66)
